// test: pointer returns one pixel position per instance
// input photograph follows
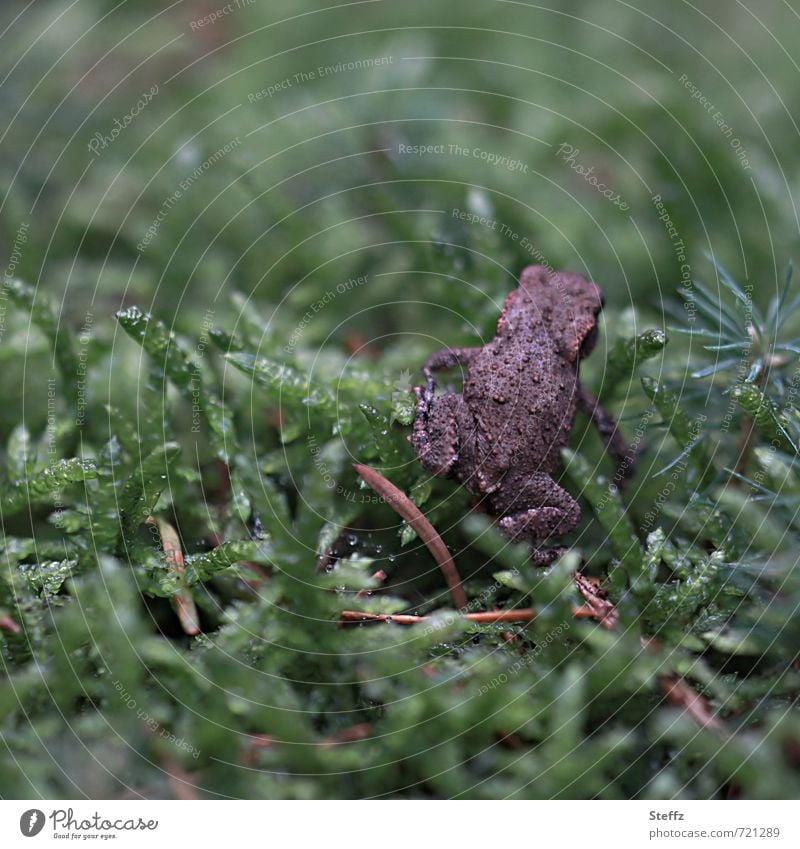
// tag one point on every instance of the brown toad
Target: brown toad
(502, 436)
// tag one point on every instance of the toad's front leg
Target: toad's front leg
(447, 358)
(435, 437)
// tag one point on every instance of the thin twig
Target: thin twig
(746, 445)
(380, 576)
(405, 507)
(597, 601)
(680, 694)
(523, 614)
(183, 601)
(8, 624)
(179, 780)
(583, 612)
(259, 742)
(353, 734)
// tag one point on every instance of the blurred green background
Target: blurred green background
(317, 188)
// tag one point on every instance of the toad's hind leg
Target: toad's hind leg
(435, 437)
(536, 510)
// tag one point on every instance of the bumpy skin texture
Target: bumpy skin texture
(502, 436)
